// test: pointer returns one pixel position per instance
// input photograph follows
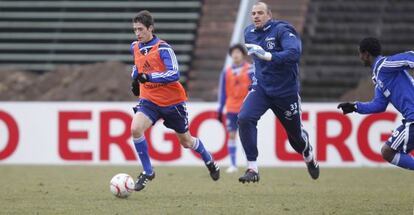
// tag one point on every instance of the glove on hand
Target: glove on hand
(142, 77)
(135, 87)
(258, 51)
(220, 117)
(347, 107)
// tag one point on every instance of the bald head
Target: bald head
(264, 5)
(260, 14)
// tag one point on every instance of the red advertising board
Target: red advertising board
(99, 133)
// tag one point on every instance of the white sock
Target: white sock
(195, 143)
(396, 159)
(309, 158)
(252, 165)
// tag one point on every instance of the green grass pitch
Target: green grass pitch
(189, 190)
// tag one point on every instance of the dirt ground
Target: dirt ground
(108, 81)
(363, 92)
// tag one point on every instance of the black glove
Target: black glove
(220, 116)
(142, 77)
(135, 87)
(347, 107)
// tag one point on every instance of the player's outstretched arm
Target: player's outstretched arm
(376, 105)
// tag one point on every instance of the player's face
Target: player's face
(237, 56)
(260, 15)
(143, 33)
(365, 58)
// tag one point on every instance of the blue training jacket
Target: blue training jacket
(280, 76)
(393, 84)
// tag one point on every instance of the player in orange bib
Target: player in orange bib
(155, 78)
(234, 86)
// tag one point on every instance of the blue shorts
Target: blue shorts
(175, 116)
(402, 138)
(231, 122)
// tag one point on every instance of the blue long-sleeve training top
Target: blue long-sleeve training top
(393, 84)
(280, 76)
(167, 55)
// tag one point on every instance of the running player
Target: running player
(393, 84)
(160, 96)
(276, 48)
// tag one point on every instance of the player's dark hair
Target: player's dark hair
(371, 45)
(144, 17)
(239, 47)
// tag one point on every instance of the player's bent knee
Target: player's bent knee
(137, 131)
(186, 143)
(186, 140)
(387, 153)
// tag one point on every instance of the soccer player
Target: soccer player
(234, 85)
(276, 48)
(393, 84)
(155, 80)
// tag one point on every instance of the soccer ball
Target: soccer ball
(122, 185)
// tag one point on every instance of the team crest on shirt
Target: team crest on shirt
(270, 42)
